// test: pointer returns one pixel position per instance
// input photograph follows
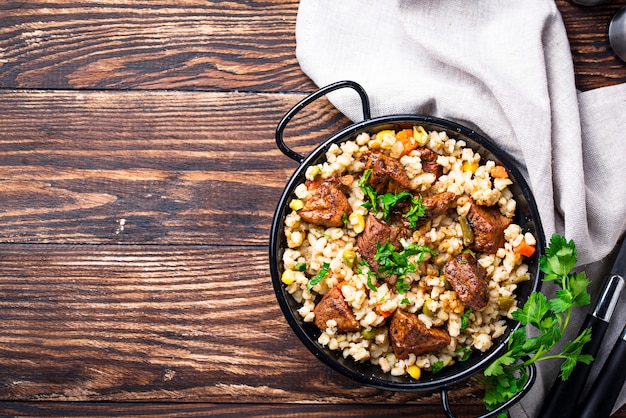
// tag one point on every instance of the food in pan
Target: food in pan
(402, 250)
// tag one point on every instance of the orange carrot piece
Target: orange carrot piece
(405, 136)
(499, 172)
(525, 249)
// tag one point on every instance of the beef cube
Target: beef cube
(408, 334)
(327, 206)
(488, 225)
(377, 232)
(388, 174)
(429, 162)
(436, 205)
(467, 278)
(334, 306)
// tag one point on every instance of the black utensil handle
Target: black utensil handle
(532, 373)
(365, 104)
(562, 399)
(608, 385)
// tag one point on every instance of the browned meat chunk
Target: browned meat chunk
(388, 174)
(327, 205)
(334, 306)
(408, 334)
(429, 161)
(467, 278)
(436, 205)
(488, 225)
(377, 232)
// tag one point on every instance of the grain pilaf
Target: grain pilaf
(327, 257)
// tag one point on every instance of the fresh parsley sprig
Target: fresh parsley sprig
(507, 375)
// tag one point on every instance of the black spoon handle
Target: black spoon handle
(561, 400)
(605, 390)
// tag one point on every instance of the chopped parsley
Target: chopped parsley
(465, 319)
(385, 203)
(319, 276)
(465, 353)
(370, 274)
(437, 366)
(397, 263)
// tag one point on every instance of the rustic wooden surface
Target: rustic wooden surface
(138, 178)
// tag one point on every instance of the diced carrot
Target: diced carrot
(312, 184)
(525, 249)
(405, 136)
(385, 314)
(499, 172)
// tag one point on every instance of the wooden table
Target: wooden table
(138, 180)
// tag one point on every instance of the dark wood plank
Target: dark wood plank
(595, 64)
(356, 410)
(89, 323)
(188, 44)
(147, 167)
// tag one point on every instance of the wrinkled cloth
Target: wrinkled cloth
(503, 68)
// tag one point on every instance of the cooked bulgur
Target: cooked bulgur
(312, 248)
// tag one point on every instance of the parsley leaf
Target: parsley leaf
(370, 193)
(506, 376)
(437, 366)
(370, 274)
(389, 200)
(465, 319)
(416, 211)
(397, 263)
(465, 353)
(319, 276)
(385, 203)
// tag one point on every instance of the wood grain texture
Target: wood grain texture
(595, 63)
(356, 410)
(147, 167)
(123, 322)
(189, 44)
(206, 45)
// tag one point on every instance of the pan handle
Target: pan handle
(532, 373)
(365, 104)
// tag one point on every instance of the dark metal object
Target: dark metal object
(527, 216)
(561, 400)
(602, 396)
(617, 33)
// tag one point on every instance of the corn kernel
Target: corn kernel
(420, 135)
(288, 277)
(296, 204)
(414, 371)
(381, 134)
(470, 166)
(357, 221)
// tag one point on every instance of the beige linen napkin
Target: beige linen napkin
(503, 68)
